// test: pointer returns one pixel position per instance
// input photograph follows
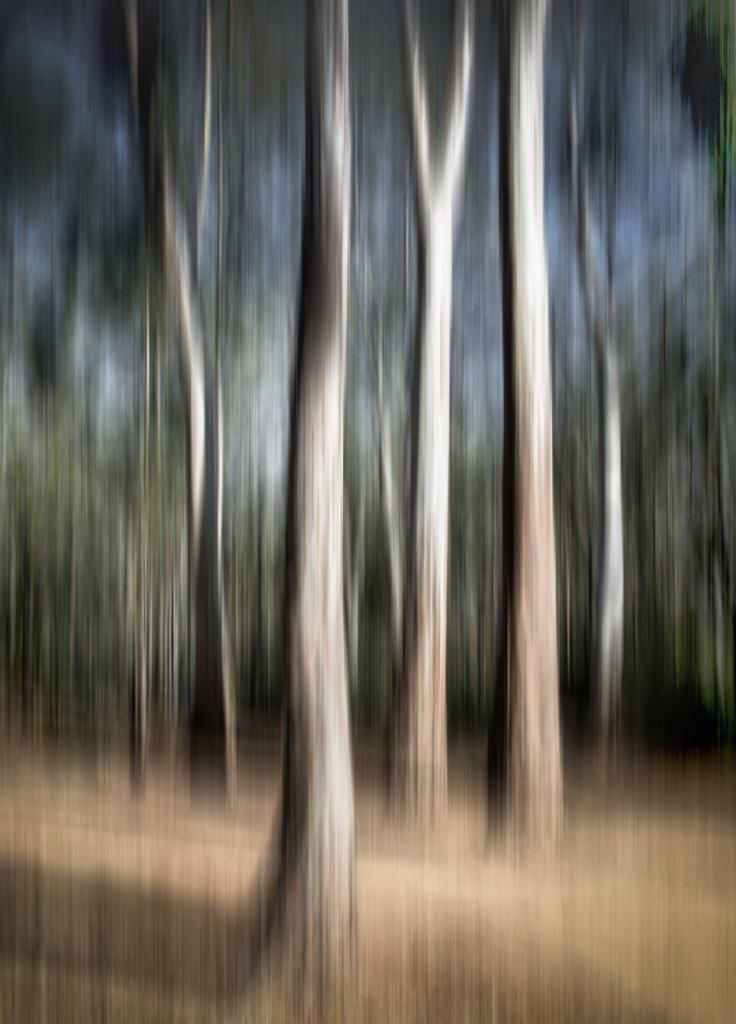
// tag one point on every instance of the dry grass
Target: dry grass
(123, 907)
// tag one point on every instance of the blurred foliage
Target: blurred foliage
(709, 84)
(77, 522)
(93, 523)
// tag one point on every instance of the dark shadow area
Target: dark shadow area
(146, 935)
(97, 930)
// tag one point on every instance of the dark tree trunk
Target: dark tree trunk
(525, 752)
(140, 618)
(212, 722)
(139, 675)
(257, 658)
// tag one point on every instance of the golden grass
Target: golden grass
(122, 907)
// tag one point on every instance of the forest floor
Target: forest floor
(123, 906)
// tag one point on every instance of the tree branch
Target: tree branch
(457, 128)
(580, 201)
(206, 118)
(130, 13)
(419, 116)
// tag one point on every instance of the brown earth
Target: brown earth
(124, 906)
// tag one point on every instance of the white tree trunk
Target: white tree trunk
(420, 740)
(420, 764)
(213, 724)
(609, 606)
(608, 612)
(527, 709)
(316, 880)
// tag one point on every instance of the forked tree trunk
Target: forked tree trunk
(420, 735)
(608, 610)
(526, 746)
(316, 880)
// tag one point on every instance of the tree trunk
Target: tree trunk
(608, 632)
(526, 744)
(136, 616)
(608, 611)
(724, 584)
(389, 518)
(420, 736)
(257, 659)
(141, 624)
(213, 717)
(212, 721)
(420, 755)
(354, 556)
(316, 879)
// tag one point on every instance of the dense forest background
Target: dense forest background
(92, 443)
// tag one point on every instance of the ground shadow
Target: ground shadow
(145, 935)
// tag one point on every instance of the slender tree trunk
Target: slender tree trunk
(389, 517)
(526, 741)
(724, 584)
(316, 880)
(258, 646)
(212, 718)
(139, 683)
(139, 571)
(609, 602)
(354, 554)
(608, 610)
(420, 735)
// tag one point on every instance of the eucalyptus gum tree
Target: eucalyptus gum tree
(420, 737)
(608, 614)
(212, 720)
(316, 872)
(389, 516)
(525, 749)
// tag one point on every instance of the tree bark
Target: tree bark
(525, 743)
(609, 607)
(608, 612)
(389, 517)
(316, 874)
(420, 732)
(139, 577)
(212, 722)
(354, 560)
(136, 619)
